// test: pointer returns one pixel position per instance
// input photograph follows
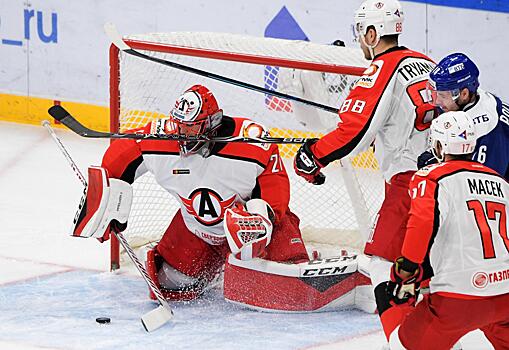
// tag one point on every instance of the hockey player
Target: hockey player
(233, 198)
(387, 106)
(454, 86)
(458, 220)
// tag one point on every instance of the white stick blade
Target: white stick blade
(116, 39)
(156, 318)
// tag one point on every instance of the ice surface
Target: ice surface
(53, 287)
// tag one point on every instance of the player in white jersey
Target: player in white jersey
(458, 223)
(233, 198)
(388, 106)
(454, 86)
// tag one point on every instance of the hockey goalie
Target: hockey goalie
(233, 215)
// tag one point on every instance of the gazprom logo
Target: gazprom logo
(34, 24)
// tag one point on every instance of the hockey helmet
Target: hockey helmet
(456, 133)
(453, 73)
(386, 16)
(196, 113)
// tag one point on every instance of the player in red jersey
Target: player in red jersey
(458, 222)
(388, 106)
(233, 198)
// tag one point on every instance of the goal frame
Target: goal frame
(202, 53)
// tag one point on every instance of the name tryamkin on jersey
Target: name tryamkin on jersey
(484, 186)
(415, 69)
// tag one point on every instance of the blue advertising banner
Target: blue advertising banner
(485, 5)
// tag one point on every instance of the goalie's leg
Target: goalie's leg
(182, 264)
(287, 244)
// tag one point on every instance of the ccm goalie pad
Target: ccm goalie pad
(248, 231)
(106, 202)
(318, 285)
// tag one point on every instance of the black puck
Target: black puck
(103, 320)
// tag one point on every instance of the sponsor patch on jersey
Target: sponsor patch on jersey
(370, 75)
(181, 171)
(254, 130)
(481, 280)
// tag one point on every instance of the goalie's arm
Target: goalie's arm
(273, 185)
(109, 194)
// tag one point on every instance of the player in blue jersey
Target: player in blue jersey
(454, 86)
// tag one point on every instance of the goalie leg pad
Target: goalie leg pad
(327, 284)
(174, 285)
(105, 201)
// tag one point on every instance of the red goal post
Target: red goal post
(341, 211)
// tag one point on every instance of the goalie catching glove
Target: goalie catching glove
(249, 230)
(106, 204)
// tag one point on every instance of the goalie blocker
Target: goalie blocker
(107, 202)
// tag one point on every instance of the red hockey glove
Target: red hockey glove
(249, 230)
(405, 280)
(307, 166)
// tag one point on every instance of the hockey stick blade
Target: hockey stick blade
(116, 39)
(59, 113)
(156, 318)
(163, 313)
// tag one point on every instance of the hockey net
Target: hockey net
(341, 211)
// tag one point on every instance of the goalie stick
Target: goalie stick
(117, 40)
(163, 313)
(59, 113)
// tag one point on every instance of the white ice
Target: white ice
(52, 286)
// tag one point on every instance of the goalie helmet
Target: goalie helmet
(453, 74)
(196, 113)
(386, 16)
(456, 133)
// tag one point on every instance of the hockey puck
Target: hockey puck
(103, 320)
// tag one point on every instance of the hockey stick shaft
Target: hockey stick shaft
(63, 116)
(155, 318)
(117, 40)
(66, 154)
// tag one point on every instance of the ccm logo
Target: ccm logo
(326, 271)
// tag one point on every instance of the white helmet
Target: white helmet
(385, 15)
(456, 133)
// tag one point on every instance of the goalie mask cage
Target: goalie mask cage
(340, 212)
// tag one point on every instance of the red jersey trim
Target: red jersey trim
(459, 296)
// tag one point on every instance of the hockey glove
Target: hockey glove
(248, 231)
(405, 280)
(425, 159)
(307, 166)
(105, 205)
